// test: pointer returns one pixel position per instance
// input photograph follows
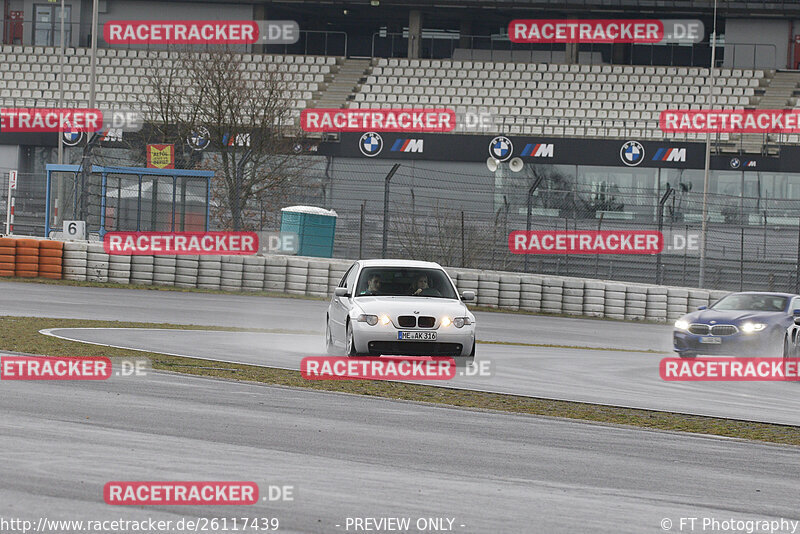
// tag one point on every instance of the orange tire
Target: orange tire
(53, 276)
(51, 245)
(50, 269)
(28, 243)
(49, 253)
(27, 259)
(4, 272)
(26, 274)
(27, 251)
(7, 251)
(7, 266)
(8, 242)
(49, 261)
(7, 258)
(26, 267)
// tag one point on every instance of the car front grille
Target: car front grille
(715, 330)
(407, 321)
(426, 322)
(723, 330)
(415, 348)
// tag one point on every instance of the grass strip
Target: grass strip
(21, 334)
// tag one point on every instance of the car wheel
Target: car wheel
(350, 344)
(688, 355)
(787, 349)
(329, 346)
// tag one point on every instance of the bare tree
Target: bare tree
(243, 111)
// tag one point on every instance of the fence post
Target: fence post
(361, 232)
(386, 207)
(463, 248)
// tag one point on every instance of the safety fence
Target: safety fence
(317, 277)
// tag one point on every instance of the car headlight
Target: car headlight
(371, 320)
(749, 328)
(385, 319)
(446, 321)
(680, 324)
(459, 322)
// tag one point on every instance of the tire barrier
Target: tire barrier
(97, 263)
(488, 289)
(275, 273)
(50, 259)
(28, 257)
(231, 273)
(296, 275)
(552, 295)
(677, 302)
(142, 268)
(209, 272)
(26, 261)
(317, 279)
(74, 262)
(530, 288)
(656, 305)
(594, 297)
(119, 269)
(635, 303)
(510, 291)
(253, 273)
(8, 256)
(572, 300)
(614, 306)
(164, 269)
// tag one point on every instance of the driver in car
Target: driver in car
(422, 287)
(373, 285)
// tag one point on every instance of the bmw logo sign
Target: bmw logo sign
(501, 148)
(735, 163)
(199, 139)
(370, 144)
(71, 138)
(632, 153)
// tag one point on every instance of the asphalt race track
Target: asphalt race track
(350, 456)
(605, 377)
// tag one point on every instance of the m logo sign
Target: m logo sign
(408, 145)
(670, 154)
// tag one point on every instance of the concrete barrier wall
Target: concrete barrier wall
(319, 276)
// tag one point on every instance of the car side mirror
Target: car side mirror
(468, 295)
(700, 308)
(796, 314)
(341, 292)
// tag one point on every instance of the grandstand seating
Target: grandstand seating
(559, 99)
(547, 99)
(30, 75)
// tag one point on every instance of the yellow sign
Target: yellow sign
(161, 156)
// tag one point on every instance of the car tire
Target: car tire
(350, 345)
(329, 346)
(688, 355)
(787, 350)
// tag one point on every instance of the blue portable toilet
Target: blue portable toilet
(314, 226)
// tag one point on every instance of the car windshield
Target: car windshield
(400, 281)
(751, 302)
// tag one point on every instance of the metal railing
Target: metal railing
(38, 34)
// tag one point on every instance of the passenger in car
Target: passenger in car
(422, 287)
(373, 285)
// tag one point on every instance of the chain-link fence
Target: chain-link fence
(442, 213)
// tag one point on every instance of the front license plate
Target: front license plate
(416, 336)
(711, 340)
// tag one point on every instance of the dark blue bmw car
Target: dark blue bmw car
(740, 324)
